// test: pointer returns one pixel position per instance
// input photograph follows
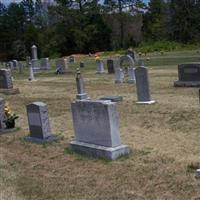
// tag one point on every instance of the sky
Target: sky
(8, 1)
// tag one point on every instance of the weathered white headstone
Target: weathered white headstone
(39, 123)
(96, 126)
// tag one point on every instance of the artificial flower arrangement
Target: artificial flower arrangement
(10, 117)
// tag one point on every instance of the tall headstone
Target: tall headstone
(31, 74)
(119, 75)
(96, 126)
(188, 75)
(142, 85)
(2, 106)
(131, 75)
(44, 64)
(61, 66)
(99, 66)
(80, 86)
(38, 121)
(34, 52)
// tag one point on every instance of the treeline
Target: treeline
(83, 26)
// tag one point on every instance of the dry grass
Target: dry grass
(164, 139)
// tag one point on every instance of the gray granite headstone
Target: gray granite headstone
(35, 65)
(80, 86)
(38, 121)
(131, 75)
(188, 75)
(61, 66)
(142, 85)
(96, 126)
(15, 64)
(2, 106)
(44, 64)
(34, 52)
(5, 79)
(99, 67)
(119, 75)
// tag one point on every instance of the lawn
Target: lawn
(164, 140)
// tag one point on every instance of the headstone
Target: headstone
(188, 75)
(31, 74)
(131, 75)
(5, 79)
(34, 52)
(112, 98)
(15, 64)
(44, 64)
(112, 65)
(96, 127)
(20, 68)
(38, 121)
(61, 66)
(28, 60)
(2, 106)
(198, 173)
(99, 66)
(119, 75)
(71, 59)
(80, 86)
(82, 65)
(10, 65)
(142, 85)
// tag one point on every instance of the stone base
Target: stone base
(131, 82)
(110, 153)
(118, 82)
(100, 72)
(186, 83)
(146, 102)
(9, 130)
(11, 91)
(82, 96)
(39, 140)
(112, 98)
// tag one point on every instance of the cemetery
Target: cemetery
(101, 139)
(99, 100)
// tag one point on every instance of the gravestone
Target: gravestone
(80, 86)
(188, 75)
(112, 64)
(34, 52)
(10, 65)
(61, 66)
(5, 79)
(82, 65)
(2, 107)
(142, 85)
(44, 64)
(96, 127)
(28, 60)
(119, 75)
(15, 64)
(71, 59)
(99, 67)
(31, 74)
(131, 75)
(38, 121)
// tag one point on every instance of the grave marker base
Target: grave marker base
(146, 102)
(186, 83)
(11, 91)
(110, 153)
(131, 81)
(9, 130)
(40, 140)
